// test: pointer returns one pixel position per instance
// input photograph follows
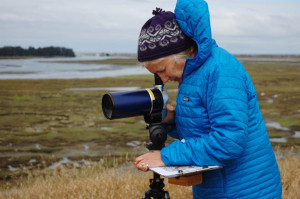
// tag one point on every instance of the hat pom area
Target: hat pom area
(161, 36)
(157, 11)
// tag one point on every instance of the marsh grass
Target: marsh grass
(119, 181)
(45, 112)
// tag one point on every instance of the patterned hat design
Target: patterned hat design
(161, 36)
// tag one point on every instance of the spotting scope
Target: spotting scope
(148, 102)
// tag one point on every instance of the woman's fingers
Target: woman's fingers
(170, 113)
(143, 166)
(149, 160)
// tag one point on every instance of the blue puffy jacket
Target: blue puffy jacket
(218, 116)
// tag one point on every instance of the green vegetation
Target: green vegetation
(60, 121)
(278, 92)
(11, 51)
(43, 120)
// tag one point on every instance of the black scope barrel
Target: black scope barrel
(132, 103)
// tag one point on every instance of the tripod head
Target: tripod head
(157, 130)
(158, 136)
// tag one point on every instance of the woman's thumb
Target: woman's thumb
(169, 107)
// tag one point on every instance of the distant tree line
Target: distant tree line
(39, 52)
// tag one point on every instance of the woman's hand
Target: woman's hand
(170, 113)
(149, 160)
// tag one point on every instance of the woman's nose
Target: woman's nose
(164, 78)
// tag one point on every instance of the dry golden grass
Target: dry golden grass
(290, 177)
(120, 182)
(91, 182)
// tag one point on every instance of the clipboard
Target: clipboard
(184, 175)
(177, 171)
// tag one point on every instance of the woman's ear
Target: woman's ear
(192, 52)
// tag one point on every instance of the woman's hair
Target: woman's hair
(181, 55)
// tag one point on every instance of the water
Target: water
(278, 140)
(11, 168)
(275, 125)
(76, 164)
(296, 135)
(37, 146)
(64, 161)
(41, 68)
(86, 148)
(288, 61)
(133, 143)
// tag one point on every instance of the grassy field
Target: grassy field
(45, 121)
(118, 182)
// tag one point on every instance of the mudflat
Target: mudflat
(47, 121)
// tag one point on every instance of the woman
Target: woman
(217, 116)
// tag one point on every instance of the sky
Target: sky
(113, 26)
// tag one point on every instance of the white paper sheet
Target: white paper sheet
(175, 171)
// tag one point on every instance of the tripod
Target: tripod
(156, 189)
(158, 137)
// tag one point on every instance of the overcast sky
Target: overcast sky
(241, 27)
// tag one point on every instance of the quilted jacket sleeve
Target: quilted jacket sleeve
(227, 111)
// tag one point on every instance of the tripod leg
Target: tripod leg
(147, 195)
(166, 195)
(163, 194)
(158, 195)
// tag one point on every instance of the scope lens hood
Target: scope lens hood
(108, 105)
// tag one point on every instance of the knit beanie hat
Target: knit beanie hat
(161, 36)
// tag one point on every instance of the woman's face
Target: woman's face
(170, 68)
